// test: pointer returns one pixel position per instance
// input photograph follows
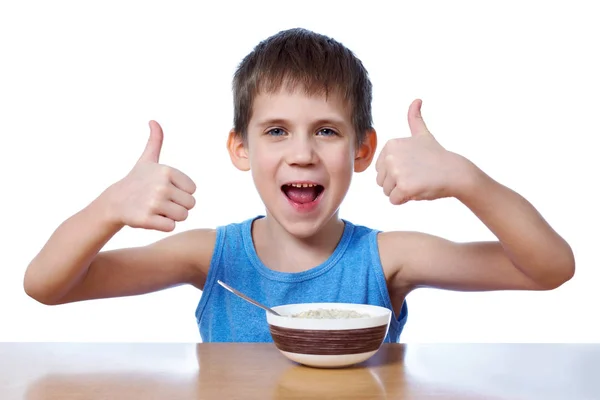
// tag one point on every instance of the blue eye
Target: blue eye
(328, 132)
(276, 132)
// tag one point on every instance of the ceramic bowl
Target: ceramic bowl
(328, 342)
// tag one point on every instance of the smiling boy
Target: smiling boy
(302, 128)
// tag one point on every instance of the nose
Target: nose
(301, 151)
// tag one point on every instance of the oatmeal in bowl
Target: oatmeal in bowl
(329, 335)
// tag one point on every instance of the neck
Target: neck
(280, 250)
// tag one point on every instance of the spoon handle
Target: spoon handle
(248, 299)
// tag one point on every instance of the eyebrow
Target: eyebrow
(281, 121)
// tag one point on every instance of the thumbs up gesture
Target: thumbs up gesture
(418, 167)
(152, 196)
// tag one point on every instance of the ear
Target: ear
(237, 151)
(365, 151)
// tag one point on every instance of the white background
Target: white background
(511, 85)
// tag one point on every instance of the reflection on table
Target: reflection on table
(65, 371)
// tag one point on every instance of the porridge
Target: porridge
(331, 313)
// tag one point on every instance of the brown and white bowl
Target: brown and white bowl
(329, 342)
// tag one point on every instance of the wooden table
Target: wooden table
(66, 371)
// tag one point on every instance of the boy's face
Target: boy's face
(302, 152)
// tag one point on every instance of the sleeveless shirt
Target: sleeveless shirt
(352, 274)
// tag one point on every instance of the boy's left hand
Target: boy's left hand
(418, 167)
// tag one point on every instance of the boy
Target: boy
(302, 126)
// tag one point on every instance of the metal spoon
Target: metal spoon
(248, 299)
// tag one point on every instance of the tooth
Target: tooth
(301, 185)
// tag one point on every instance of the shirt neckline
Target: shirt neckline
(320, 269)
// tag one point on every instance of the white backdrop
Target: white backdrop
(511, 85)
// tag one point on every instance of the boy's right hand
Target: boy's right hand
(151, 196)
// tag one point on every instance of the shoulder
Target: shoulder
(196, 247)
(385, 244)
(199, 244)
(192, 249)
(387, 241)
(193, 242)
(394, 249)
(398, 248)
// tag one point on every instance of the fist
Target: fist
(152, 196)
(417, 167)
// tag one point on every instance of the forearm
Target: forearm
(528, 240)
(65, 258)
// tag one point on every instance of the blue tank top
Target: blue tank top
(352, 274)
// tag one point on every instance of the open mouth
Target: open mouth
(302, 193)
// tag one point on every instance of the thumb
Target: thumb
(415, 120)
(152, 151)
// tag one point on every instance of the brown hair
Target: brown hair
(301, 57)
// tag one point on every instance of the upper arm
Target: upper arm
(412, 260)
(183, 258)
